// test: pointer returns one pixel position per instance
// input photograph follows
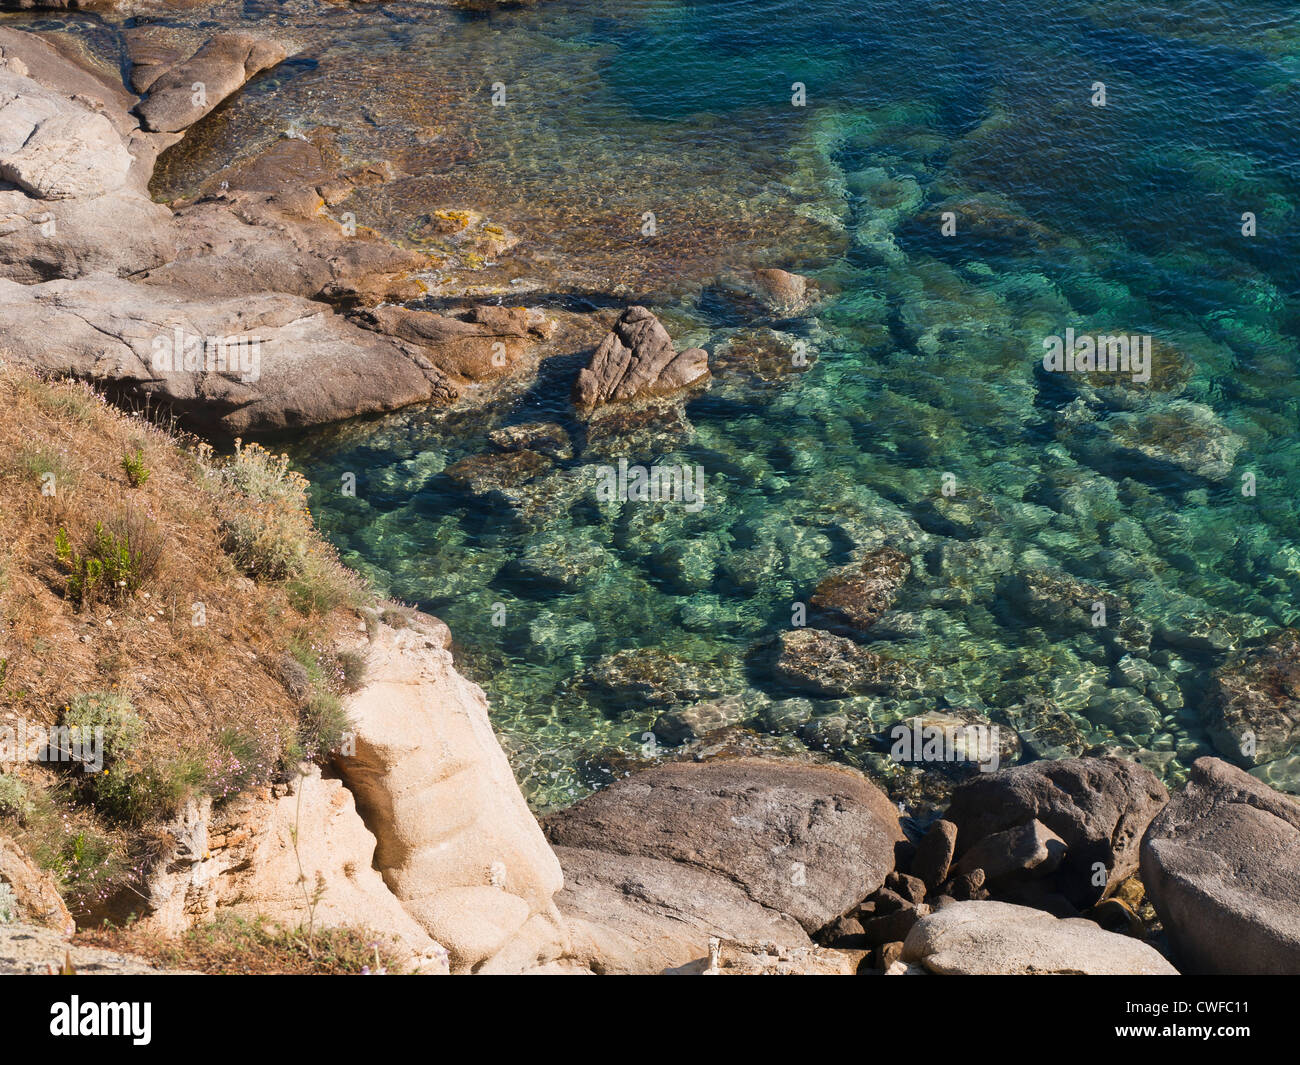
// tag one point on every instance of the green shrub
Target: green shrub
(322, 725)
(111, 712)
(14, 800)
(8, 904)
(136, 471)
(113, 562)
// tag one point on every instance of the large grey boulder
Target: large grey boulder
(998, 939)
(1099, 808)
(1221, 864)
(74, 171)
(740, 848)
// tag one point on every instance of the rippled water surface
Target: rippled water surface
(1126, 217)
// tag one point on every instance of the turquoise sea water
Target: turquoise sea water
(1126, 218)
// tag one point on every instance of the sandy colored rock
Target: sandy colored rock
(28, 950)
(998, 939)
(244, 860)
(457, 844)
(34, 890)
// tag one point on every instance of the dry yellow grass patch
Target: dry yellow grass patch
(197, 647)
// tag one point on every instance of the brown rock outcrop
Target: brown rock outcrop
(637, 360)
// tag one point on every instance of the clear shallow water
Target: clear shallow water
(1119, 218)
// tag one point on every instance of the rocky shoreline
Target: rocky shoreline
(717, 862)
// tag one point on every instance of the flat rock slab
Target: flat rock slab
(998, 939)
(288, 362)
(26, 950)
(192, 89)
(1221, 864)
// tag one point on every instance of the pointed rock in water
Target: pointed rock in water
(1253, 707)
(637, 360)
(221, 67)
(1221, 865)
(545, 438)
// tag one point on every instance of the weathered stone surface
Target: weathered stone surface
(34, 892)
(1017, 853)
(1253, 707)
(29, 950)
(934, 854)
(221, 67)
(855, 596)
(1099, 807)
(816, 661)
(56, 148)
(739, 959)
(312, 366)
(1221, 864)
(636, 914)
(487, 345)
(76, 200)
(246, 858)
(248, 243)
(457, 844)
(637, 360)
(996, 939)
(815, 839)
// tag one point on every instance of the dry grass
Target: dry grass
(234, 946)
(188, 637)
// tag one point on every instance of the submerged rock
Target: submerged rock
(1253, 707)
(545, 438)
(823, 664)
(1221, 864)
(653, 677)
(1183, 435)
(855, 597)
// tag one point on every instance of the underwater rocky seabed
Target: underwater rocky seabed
(924, 355)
